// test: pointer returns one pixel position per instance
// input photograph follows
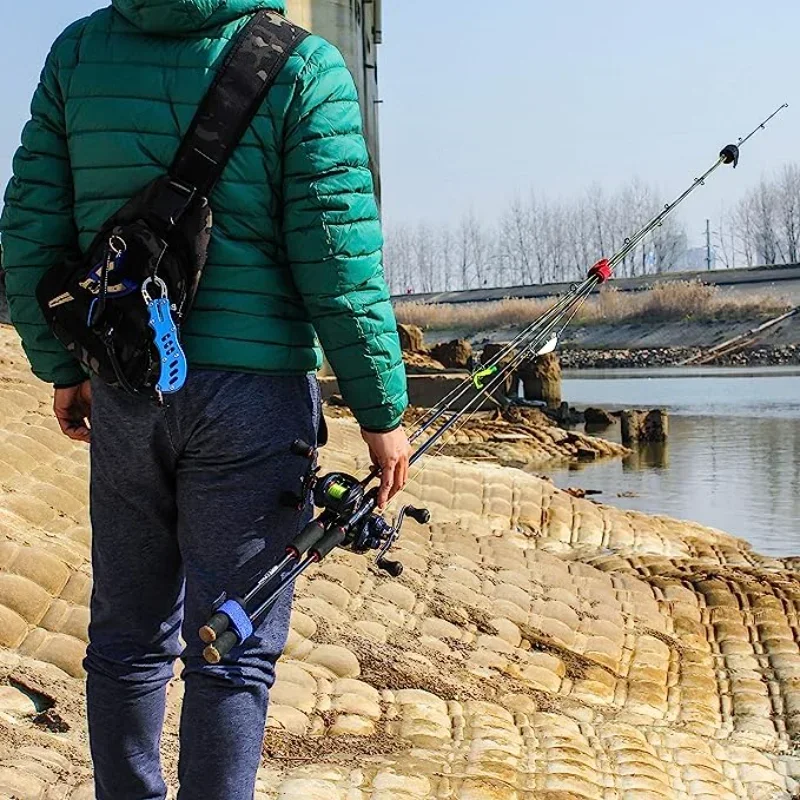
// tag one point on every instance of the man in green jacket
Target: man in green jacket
(185, 498)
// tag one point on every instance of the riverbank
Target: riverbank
(538, 645)
(644, 358)
(657, 341)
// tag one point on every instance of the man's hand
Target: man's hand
(390, 452)
(73, 408)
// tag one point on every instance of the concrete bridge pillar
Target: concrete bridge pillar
(354, 26)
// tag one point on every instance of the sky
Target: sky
(485, 100)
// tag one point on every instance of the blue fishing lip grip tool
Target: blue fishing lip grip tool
(174, 367)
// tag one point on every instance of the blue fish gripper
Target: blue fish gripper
(174, 367)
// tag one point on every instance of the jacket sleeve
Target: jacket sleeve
(334, 241)
(37, 226)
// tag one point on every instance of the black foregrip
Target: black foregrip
(214, 653)
(421, 515)
(309, 536)
(214, 628)
(330, 542)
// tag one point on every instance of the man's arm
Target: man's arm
(38, 228)
(334, 241)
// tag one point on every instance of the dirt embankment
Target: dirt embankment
(658, 344)
(668, 344)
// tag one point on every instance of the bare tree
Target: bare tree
(765, 224)
(725, 242)
(517, 240)
(788, 210)
(535, 240)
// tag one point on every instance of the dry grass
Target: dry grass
(665, 302)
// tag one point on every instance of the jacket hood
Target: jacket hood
(171, 17)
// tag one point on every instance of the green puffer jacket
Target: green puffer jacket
(297, 241)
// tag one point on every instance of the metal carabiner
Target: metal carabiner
(117, 249)
(162, 287)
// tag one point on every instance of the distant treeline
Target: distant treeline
(538, 240)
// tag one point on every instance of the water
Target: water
(733, 456)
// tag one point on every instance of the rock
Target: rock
(16, 703)
(507, 386)
(490, 352)
(411, 338)
(598, 418)
(421, 364)
(453, 355)
(644, 426)
(352, 725)
(541, 379)
(565, 415)
(339, 660)
(575, 491)
(19, 784)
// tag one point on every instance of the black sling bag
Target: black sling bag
(119, 309)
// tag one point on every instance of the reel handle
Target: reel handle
(308, 537)
(394, 568)
(421, 515)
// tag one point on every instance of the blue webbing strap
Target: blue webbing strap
(240, 622)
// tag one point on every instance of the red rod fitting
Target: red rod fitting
(601, 270)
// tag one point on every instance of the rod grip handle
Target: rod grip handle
(309, 536)
(333, 539)
(215, 652)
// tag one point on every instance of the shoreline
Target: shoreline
(646, 358)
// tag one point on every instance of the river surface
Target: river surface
(733, 456)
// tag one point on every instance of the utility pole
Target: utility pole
(708, 244)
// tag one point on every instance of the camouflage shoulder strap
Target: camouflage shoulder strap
(255, 59)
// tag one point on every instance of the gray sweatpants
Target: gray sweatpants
(186, 503)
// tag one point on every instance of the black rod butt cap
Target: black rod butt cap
(215, 652)
(730, 155)
(214, 628)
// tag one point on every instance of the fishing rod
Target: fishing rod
(600, 273)
(350, 517)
